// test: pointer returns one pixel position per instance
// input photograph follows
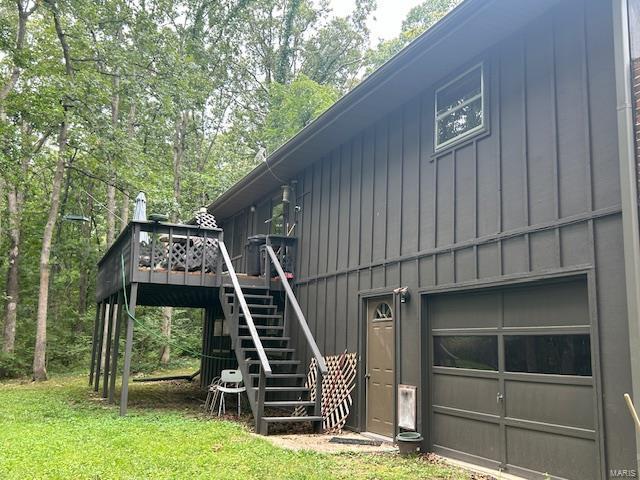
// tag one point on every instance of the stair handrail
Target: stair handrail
(266, 368)
(322, 366)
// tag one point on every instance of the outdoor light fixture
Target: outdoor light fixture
(403, 293)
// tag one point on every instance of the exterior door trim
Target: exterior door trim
(361, 401)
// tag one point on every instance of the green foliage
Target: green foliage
(55, 430)
(295, 106)
(171, 97)
(11, 366)
(419, 19)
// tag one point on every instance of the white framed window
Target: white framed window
(460, 108)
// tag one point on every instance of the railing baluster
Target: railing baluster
(170, 253)
(203, 263)
(186, 257)
(152, 257)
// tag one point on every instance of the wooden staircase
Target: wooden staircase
(284, 390)
(268, 363)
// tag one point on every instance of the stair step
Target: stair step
(264, 339)
(280, 375)
(249, 295)
(290, 403)
(275, 362)
(262, 305)
(271, 349)
(284, 389)
(263, 315)
(264, 327)
(291, 419)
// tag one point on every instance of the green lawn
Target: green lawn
(59, 430)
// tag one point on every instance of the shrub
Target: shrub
(11, 366)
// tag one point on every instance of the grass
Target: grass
(61, 430)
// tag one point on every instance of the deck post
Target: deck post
(317, 427)
(267, 267)
(261, 429)
(105, 312)
(124, 393)
(107, 351)
(116, 349)
(96, 323)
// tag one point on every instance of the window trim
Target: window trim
(437, 117)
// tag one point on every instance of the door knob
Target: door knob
(367, 376)
(499, 397)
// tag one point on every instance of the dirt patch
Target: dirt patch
(320, 443)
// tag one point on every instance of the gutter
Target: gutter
(628, 191)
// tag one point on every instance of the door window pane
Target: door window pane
(479, 352)
(551, 354)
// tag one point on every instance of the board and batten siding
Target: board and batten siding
(538, 192)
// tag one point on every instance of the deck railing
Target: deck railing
(158, 252)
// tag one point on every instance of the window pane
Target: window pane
(460, 91)
(460, 121)
(552, 354)
(479, 352)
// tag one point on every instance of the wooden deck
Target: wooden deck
(176, 256)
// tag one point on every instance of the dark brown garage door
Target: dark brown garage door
(511, 379)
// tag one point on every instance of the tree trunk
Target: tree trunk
(124, 211)
(111, 207)
(85, 268)
(39, 354)
(165, 350)
(14, 204)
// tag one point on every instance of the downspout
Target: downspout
(628, 192)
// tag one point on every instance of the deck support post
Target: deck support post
(96, 324)
(261, 427)
(317, 426)
(124, 393)
(115, 348)
(107, 351)
(105, 312)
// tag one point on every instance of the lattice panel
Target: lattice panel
(206, 220)
(337, 385)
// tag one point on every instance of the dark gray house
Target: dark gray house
(466, 220)
(484, 169)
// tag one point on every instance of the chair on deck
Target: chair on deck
(230, 382)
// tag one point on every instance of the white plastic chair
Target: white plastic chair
(230, 382)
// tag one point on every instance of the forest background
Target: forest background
(101, 99)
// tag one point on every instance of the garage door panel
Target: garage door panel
(469, 311)
(466, 435)
(555, 304)
(559, 455)
(559, 404)
(466, 393)
(521, 391)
